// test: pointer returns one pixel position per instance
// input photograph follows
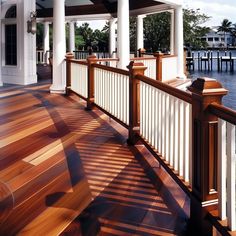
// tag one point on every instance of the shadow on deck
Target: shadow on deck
(71, 172)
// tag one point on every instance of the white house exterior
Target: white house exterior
(20, 67)
(217, 39)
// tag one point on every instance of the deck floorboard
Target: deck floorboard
(70, 171)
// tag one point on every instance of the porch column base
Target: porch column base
(57, 89)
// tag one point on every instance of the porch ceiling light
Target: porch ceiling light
(31, 24)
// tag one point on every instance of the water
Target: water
(226, 78)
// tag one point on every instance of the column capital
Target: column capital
(141, 16)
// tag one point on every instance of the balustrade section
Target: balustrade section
(111, 91)
(226, 164)
(165, 123)
(169, 68)
(39, 57)
(79, 78)
(150, 63)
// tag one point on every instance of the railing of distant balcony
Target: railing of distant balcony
(179, 128)
(41, 57)
(83, 55)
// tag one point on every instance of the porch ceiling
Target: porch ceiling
(89, 7)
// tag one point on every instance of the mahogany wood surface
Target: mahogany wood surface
(59, 160)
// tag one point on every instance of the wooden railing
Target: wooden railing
(79, 78)
(226, 163)
(179, 128)
(150, 63)
(82, 55)
(169, 68)
(111, 91)
(40, 57)
(165, 123)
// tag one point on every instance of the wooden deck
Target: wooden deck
(67, 171)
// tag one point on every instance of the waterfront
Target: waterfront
(228, 80)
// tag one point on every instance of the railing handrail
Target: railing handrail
(112, 69)
(81, 62)
(106, 59)
(168, 56)
(223, 112)
(142, 58)
(185, 96)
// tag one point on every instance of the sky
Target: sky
(217, 9)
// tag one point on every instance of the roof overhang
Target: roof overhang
(103, 9)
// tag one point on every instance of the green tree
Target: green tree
(193, 29)
(132, 31)
(225, 27)
(39, 36)
(86, 33)
(233, 32)
(157, 32)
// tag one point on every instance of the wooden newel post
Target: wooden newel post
(90, 99)
(159, 57)
(204, 164)
(69, 57)
(135, 68)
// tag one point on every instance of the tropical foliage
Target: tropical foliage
(156, 32)
(193, 29)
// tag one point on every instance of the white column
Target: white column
(179, 41)
(46, 41)
(123, 41)
(139, 27)
(72, 36)
(172, 32)
(59, 47)
(112, 36)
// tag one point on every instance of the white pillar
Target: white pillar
(112, 36)
(179, 41)
(72, 36)
(139, 27)
(172, 33)
(123, 41)
(46, 42)
(59, 47)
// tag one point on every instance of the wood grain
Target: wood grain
(71, 172)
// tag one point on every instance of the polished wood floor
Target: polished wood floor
(67, 171)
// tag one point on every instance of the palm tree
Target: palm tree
(233, 32)
(225, 27)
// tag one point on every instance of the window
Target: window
(210, 39)
(11, 38)
(10, 48)
(11, 12)
(217, 39)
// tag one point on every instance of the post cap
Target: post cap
(91, 58)
(69, 55)
(136, 67)
(207, 86)
(157, 54)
